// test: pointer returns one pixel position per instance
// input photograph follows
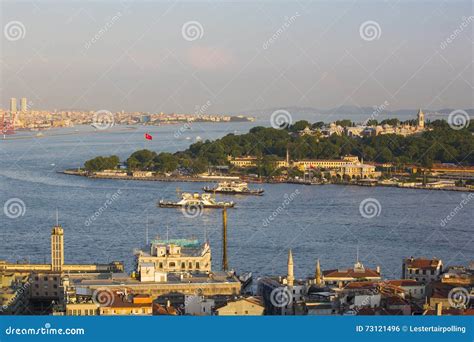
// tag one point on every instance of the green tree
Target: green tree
(102, 163)
(166, 162)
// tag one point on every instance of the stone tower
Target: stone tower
(290, 278)
(57, 248)
(421, 119)
(317, 276)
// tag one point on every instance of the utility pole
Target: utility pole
(224, 240)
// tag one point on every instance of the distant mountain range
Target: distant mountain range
(354, 113)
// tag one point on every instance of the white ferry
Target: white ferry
(234, 188)
(196, 200)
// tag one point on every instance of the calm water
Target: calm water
(320, 222)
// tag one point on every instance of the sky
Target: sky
(236, 56)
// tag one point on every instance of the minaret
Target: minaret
(317, 277)
(57, 247)
(287, 157)
(290, 278)
(421, 119)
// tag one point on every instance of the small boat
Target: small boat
(234, 188)
(196, 201)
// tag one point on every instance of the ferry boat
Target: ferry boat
(234, 188)
(196, 200)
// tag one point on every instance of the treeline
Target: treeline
(442, 144)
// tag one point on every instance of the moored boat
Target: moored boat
(197, 201)
(234, 188)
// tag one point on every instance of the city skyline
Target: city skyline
(245, 57)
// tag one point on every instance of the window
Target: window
(172, 264)
(197, 265)
(160, 265)
(183, 265)
(45, 278)
(55, 286)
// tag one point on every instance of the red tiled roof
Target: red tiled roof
(403, 282)
(452, 311)
(422, 263)
(351, 273)
(361, 285)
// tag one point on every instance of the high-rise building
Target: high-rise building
(24, 105)
(57, 248)
(13, 105)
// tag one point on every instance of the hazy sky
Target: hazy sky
(317, 57)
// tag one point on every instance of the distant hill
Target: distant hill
(355, 113)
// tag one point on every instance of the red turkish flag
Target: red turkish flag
(148, 136)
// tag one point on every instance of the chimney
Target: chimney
(439, 309)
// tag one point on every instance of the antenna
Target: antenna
(357, 254)
(57, 217)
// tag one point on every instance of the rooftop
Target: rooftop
(422, 263)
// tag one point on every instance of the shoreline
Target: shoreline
(218, 179)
